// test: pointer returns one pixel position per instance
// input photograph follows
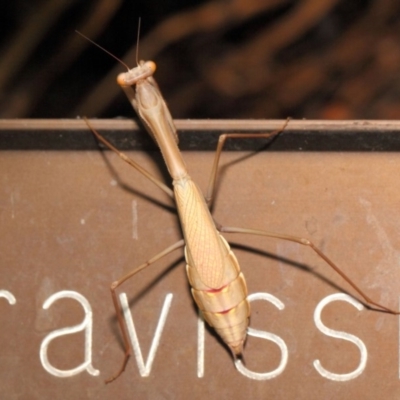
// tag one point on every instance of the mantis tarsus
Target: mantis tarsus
(218, 286)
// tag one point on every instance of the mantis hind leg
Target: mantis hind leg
(315, 249)
(302, 241)
(119, 282)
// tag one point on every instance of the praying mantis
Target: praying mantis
(218, 286)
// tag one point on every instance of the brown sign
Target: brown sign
(70, 225)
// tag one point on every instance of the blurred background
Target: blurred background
(331, 59)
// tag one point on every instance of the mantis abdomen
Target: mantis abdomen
(218, 287)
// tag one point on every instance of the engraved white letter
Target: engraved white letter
(268, 336)
(145, 368)
(9, 296)
(85, 325)
(200, 345)
(340, 335)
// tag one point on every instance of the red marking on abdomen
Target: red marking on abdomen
(216, 290)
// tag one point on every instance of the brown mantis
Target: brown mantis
(218, 286)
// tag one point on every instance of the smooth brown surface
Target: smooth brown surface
(66, 225)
